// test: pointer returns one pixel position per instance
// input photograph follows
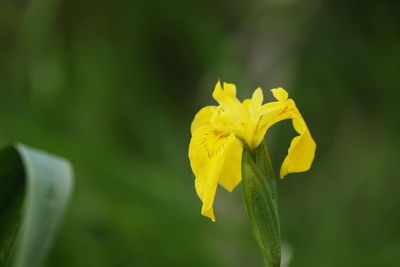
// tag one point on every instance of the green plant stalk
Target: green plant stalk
(260, 197)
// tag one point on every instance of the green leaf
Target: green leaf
(34, 191)
(260, 199)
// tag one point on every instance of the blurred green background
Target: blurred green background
(113, 86)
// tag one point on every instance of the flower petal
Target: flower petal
(255, 107)
(257, 99)
(208, 151)
(232, 170)
(270, 114)
(203, 117)
(226, 97)
(301, 151)
(280, 94)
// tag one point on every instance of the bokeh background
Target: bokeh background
(113, 86)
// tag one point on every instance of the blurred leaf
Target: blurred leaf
(34, 190)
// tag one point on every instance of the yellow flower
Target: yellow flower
(219, 134)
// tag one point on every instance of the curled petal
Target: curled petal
(271, 113)
(301, 151)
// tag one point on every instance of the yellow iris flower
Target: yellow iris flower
(219, 134)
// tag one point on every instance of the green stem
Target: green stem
(260, 197)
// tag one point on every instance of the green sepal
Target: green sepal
(260, 198)
(34, 190)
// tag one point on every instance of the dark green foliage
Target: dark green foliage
(113, 86)
(12, 184)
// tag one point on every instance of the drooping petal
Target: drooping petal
(301, 151)
(270, 114)
(232, 170)
(203, 117)
(208, 151)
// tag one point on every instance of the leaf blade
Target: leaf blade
(46, 183)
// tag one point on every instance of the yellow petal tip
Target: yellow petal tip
(280, 94)
(209, 213)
